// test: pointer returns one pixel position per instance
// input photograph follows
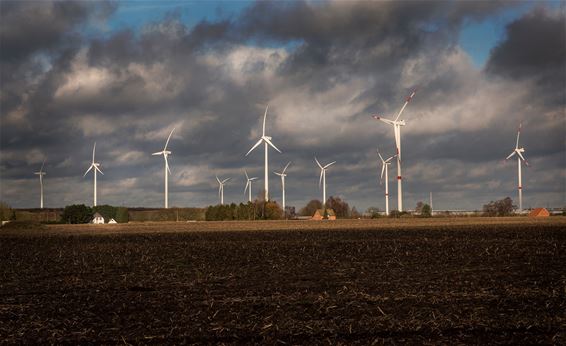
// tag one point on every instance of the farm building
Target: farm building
(539, 212)
(97, 219)
(320, 214)
(112, 221)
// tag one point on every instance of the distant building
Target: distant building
(320, 214)
(97, 219)
(112, 221)
(539, 212)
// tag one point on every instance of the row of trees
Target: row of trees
(80, 213)
(257, 210)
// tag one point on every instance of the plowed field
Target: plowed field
(450, 281)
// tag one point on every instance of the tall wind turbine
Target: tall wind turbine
(384, 169)
(96, 166)
(166, 153)
(267, 142)
(323, 178)
(41, 173)
(282, 174)
(397, 131)
(221, 189)
(520, 157)
(249, 185)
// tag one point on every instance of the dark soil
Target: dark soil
(476, 284)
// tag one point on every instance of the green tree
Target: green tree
(426, 211)
(107, 211)
(122, 215)
(373, 212)
(502, 207)
(77, 213)
(5, 211)
(272, 211)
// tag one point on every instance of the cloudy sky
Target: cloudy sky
(124, 74)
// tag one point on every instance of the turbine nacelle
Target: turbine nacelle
(390, 122)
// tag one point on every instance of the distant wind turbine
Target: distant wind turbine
(520, 157)
(397, 131)
(267, 141)
(221, 188)
(384, 169)
(166, 153)
(323, 178)
(96, 166)
(41, 173)
(249, 185)
(282, 174)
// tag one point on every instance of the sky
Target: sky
(123, 74)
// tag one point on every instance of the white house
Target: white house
(97, 218)
(112, 221)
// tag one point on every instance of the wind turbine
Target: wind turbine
(282, 174)
(248, 185)
(384, 169)
(96, 166)
(166, 153)
(397, 131)
(41, 173)
(323, 178)
(221, 189)
(267, 141)
(520, 157)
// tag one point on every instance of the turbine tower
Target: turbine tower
(323, 179)
(221, 189)
(282, 174)
(520, 157)
(96, 166)
(267, 142)
(397, 131)
(166, 153)
(384, 169)
(41, 173)
(249, 185)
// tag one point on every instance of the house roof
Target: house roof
(329, 211)
(539, 212)
(97, 215)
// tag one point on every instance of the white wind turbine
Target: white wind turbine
(96, 166)
(166, 153)
(41, 173)
(267, 141)
(384, 169)
(221, 189)
(248, 185)
(520, 157)
(323, 179)
(282, 174)
(397, 131)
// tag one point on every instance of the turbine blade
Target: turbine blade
(255, 146)
(264, 116)
(167, 164)
(246, 173)
(521, 156)
(518, 134)
(330, 164)
(98, 169)
(93, 150)
(284, 169)
(219, 190)
(269, 142)
(405, 105)
(382, 171)
(246, 188)
(218, 180)
(43, 164)
(318, 163)
(320, 179)
(225, 180)
(380, 157)
(88, 170)
(157, 153)
(253, 178)
(510, 155)
(168, 138)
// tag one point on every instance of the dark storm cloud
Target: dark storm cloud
(323, 67)
(535, 44)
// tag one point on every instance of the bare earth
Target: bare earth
(425, 281)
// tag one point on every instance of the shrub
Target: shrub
(77, 213)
